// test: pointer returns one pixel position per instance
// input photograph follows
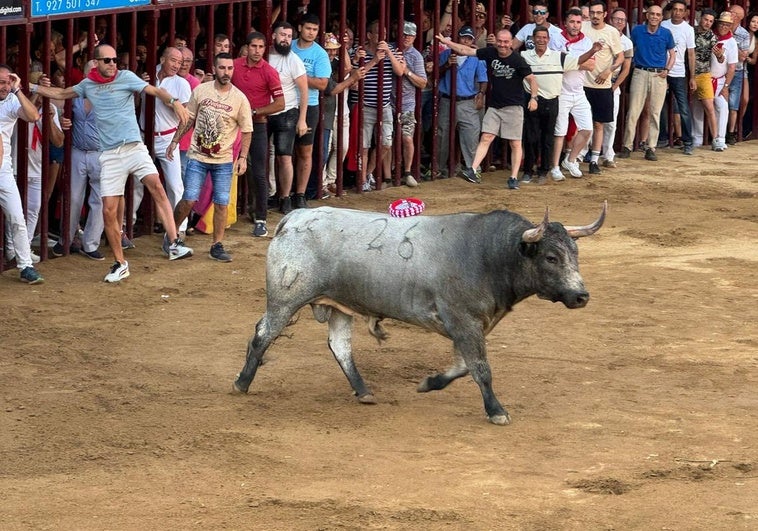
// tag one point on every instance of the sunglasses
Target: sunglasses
(481, 15)
(108, 60)
(539, 11)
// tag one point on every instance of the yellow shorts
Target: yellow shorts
(704, 86)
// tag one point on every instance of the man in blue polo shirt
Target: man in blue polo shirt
(470, 83)
(654, 55)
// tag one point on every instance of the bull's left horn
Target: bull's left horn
(588, 230)
(534, 235)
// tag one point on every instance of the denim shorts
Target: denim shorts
(735, 90)
(221, 177)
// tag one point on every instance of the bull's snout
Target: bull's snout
(576, 299)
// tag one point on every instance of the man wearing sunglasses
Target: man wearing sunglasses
(539, 16)
(111, 92)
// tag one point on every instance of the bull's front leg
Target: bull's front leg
(266, 331)
(340, 343)
(472, 350)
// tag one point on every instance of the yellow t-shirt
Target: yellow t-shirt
(605, 57)
(218, 116)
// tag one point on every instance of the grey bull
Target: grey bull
(457, 275)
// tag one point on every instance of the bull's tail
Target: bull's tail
(375, 328)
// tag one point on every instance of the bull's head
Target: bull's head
(555, 255)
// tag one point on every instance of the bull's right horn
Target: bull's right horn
(588, 230)
(534, 235)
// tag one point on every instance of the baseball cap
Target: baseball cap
(466, 31)
(409, 28)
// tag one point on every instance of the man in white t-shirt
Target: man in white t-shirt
(723, 69)
(291, 122)
(680, 83)
(539, 17)
(573, 99)
(166, 122)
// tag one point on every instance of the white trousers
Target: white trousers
(609, 129)
(15, 224)
(172, 176)
(330, 171)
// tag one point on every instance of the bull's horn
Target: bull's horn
(588, 230)
(534, 235)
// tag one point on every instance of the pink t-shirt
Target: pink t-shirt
(184, 145)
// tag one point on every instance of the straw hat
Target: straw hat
(331, 42)
(725, 18)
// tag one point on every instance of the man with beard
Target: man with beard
(540, 14)
(573, 99)
(318, 69)
(291, 122)
(654, 55)
(218, 110)
(260, 83)
(702, 105)
(14, 105)
(164, 127)
(111, 92)
(505, 108)
(597, 82)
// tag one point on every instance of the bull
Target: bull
(457, 275)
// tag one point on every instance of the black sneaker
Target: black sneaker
(57, 250)
(285, 205)
(594, 168)
(625, 153)
(526, 178)
(650, 154)
(92, 255)
(260, 229)
(218, 253)
(731, 138)
(299, 201)
(512, 183)
(470, 175)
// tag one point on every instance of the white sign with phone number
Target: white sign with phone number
(42, 8)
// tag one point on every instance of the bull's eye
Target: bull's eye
(551, 259)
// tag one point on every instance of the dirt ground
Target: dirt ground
(637, 412)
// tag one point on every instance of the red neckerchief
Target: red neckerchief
(36, 136)
(95, 76)
(569, 40)
(725, 37)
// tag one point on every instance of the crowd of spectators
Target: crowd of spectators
(550, 85)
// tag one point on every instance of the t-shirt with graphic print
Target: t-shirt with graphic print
(506, 77)
(218, 116)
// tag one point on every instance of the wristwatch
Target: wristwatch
(255, 112)
(171, 101)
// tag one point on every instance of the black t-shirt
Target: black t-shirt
(506, 77)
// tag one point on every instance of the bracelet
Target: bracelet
(15, 91)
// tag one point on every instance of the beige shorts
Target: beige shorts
(506, 122)
(704, 89)
(116, 165)
(369, 124)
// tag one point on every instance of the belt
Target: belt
(650, 69)
(459, 98)
(166, 132)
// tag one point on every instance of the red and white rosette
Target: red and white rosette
(404, 208)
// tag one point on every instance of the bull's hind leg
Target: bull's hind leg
(340, 334)
(266, 331)
(472, 349)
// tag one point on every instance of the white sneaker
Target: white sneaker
(178, 250)
(118, 272)
(557, 174)
(571, 167)
(410, 181)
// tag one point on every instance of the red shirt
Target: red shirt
(186, 140)
(259, 82)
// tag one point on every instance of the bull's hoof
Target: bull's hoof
(424, 386)
(367, 399)
(237, 389)
(500, 420)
